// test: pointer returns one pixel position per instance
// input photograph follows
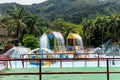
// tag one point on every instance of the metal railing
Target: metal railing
(40, 73)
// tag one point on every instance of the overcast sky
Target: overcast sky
(24, 2)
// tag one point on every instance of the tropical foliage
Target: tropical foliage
(70, 10)
(66, 27)
(30, 41)
(20, 22)
(93, 20)
(98, 31)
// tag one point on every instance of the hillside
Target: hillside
(70, 10)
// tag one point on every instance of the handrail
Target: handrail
(63, 59)
(18, 59)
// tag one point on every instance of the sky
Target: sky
(23, 2)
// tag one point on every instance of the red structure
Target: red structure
(40, 73)
(3, 64)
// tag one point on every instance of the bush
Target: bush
(30, 41)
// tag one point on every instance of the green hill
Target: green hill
(70, 10)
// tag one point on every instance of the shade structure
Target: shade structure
(58, 41)
(73, 36)
(77, 41)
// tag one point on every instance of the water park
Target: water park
(59, 56)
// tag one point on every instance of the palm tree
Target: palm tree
(114, 26)
(33, 24)
(88, 31)
(16, 21)
(44, 27)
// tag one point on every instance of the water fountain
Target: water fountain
(77, 45)
(16, 52)
(44, 42)
(109, 49)
(58, 42)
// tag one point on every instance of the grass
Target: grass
(62, 76)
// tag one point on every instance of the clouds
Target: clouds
(24, 2)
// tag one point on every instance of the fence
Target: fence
(40, 73)
(3, 64)
(83, 55)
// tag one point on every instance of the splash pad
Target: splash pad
(52, 46)
(58, 48)
(54, 42)
(51, 43)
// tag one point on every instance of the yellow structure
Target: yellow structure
(74, 37)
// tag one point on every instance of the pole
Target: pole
(108, 76)
(89, 38)
(98, 60)
(55, 46)
(40, 71)
(42, 57)
(74, 43)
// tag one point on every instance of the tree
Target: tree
(115, 26)
(33, 24)
(102, 29)
(66, 27)
(88, 31)
(20, 22)
(16, 22)
(30, 41)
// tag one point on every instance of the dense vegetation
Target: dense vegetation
(102, 29)
(95, 20)
(70, 10)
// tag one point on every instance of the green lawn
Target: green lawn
(62, 76)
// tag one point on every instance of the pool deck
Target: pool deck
(62, 76)
(67, 66)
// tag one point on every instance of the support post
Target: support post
(40, 71)
(55, 46)
(42, 57)
(98, 60)
(108, 75)
(74, 43)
